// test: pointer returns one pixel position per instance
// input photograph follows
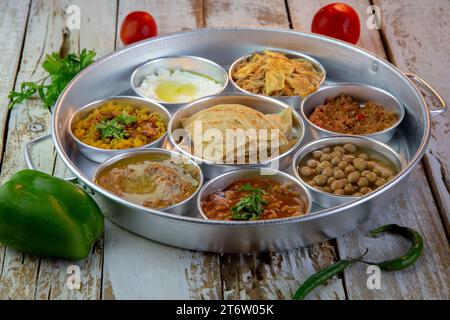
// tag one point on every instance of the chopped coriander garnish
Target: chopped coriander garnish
(249, 207)
(115, 128)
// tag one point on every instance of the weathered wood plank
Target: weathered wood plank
(275, 275)
(278, 275)
(13, 22)
(302, 13)
(418, 41)
(429, 278)
(18, 280)
(26, 276)
(97, 32)
(414, 208)
(158, 271)
(170, 15)
(141, 269)
(249, 13)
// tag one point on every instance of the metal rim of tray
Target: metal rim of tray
(318, 214)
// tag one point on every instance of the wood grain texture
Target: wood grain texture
(141, 269)
(170, 15)
(158, 271)
(98, 32)
(13, 22)
(274, 275)
(26, 276)
(418, 40)
(303, 11)
(429, 278)
(415, 207)
(248, 13)
(277, 275)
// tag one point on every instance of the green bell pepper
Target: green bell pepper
(45, 215)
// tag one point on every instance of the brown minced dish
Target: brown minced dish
(344, 115)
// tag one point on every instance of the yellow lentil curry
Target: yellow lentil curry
(119, 126)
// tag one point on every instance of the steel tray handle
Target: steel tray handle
(27, 154)
(418, 79)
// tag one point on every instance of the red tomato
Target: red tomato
(137, 26)
(339, 21)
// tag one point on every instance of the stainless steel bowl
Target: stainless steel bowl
(180, 62)
(221, 182)
(99, 155)
(360, 92)
(328, 200)
(185, 207)
(263, 104)
(293, 101)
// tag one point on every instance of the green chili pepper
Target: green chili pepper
(45, 215)
(323, 276)
(410, 257)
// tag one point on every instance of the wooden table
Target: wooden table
(414, 36)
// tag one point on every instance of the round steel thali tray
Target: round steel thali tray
(110, 76)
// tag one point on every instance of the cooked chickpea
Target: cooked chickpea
(327, 172)
(317, 154)
(325, 157)
(306, 171)
(362, 182)
(336, 154)
(363, 156)
(330, 180)
(339, 192)
(364, 190)
(326, 150)
(353, 177)
(349, 169)
(386, 173)
(339, 148)
(365, 173)
(324, 164)
(371, 165)
(359, 164)
(337, 185)
(320, 180)
(327, 189)
(347, 158)
(335, 161)
(349, 147)
(349, 188)
(358, 194)
(338, 173)
(342, 164)
(311, 183)
(378, 171)
(372, 177)
(312, 163)
(317, 170)
(380, 182)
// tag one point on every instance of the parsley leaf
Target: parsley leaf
(60, 72)
(249, 207)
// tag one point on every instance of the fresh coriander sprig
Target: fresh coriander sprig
(115, 128)
(61, 70)
(249, 207)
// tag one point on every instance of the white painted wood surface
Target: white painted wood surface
(415, 207)
(130, 267)
(27, 276)
(417, 37)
